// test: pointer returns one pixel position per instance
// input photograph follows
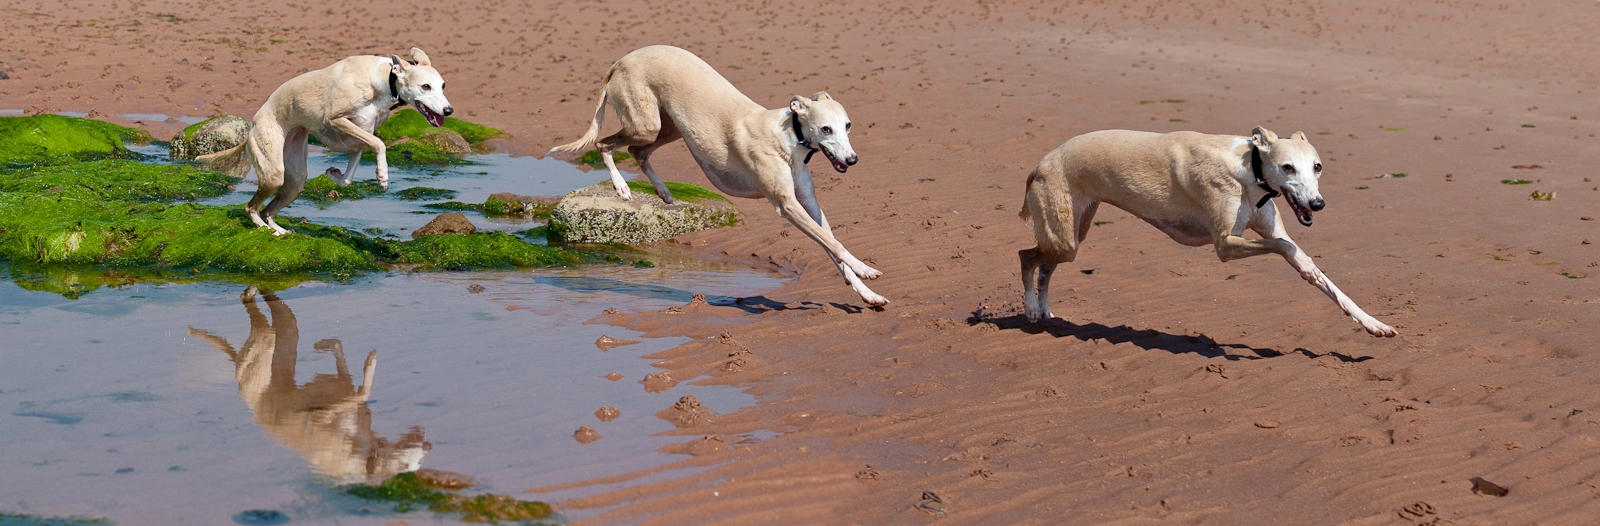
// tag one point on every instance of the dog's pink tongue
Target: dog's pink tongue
(841, 167)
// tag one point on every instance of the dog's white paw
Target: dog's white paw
(339, 177)
(866, 272)
(623, 192)
(1378, 328)
(874, 299)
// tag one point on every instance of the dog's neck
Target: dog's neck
(1255, 166)
(394, 90)
(800, 136)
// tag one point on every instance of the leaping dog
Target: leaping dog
(1196, 188)
(662, 93)
(342, 105)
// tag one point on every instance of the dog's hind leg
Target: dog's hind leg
(1270, 226)
(640, 117)
(669, 132)
(294, 178)
(1060, 223)
(265, 149)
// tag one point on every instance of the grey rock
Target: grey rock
(210, 136)
(446, 140)
(446, 223)
(595, 214)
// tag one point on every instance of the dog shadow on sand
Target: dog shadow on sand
(1149, 339)
(326, 420)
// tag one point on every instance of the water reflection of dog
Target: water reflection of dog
(327, 419)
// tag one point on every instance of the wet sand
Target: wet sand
(1174, 388)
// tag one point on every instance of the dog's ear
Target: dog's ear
(821, 95)
(1262, 136)
(420, 58)
(800, 104)
(1299, 136)
(397, 66)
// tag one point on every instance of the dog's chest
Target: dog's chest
(368, 118)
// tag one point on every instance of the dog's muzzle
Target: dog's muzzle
(433, 117)
(839, 165)
(1301, 212)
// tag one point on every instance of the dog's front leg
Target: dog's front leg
(378, 149)
(796, 214)
(1278, 242)
(349, 174)
(806, 195)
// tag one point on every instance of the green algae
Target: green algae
(496, 207)
(684, 191)
(409, 493)
(73, 282)
(592, 158)
(323, 191)
(48, 139)
(411, 153)
(17, 519)
(188, 131)
(121, 180)
(483, 250)
(423, 193)
(409, 123)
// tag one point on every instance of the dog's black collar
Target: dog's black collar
(394, 86)
(1255, 166)
(794, 122)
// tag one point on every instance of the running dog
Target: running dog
(341, 105)
(1196, 188)
(663, 93)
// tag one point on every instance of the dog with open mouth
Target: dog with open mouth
(662, 93)
(341, 105)
(1199, 189)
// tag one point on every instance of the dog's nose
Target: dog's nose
(851, 160)
(448, 110)
(1317, 204)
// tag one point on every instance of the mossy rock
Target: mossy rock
(409, 123)
(502, 204)
(423, 193)
(409, 493)
(595, 214)
(47, 139)
(209, 136)
(119, 214)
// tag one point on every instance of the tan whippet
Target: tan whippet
(341, 105)
(1196, 188)
(662, 93)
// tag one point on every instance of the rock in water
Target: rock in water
(445, 140)
(446, 223)
(210, 136)
(595, 214)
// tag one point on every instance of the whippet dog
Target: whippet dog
(341, 105)
(662, 93)
(1196, 188)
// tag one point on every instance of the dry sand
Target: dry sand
(1176, 389)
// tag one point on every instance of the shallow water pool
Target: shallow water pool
(186, 404)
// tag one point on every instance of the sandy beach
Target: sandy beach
(1174, 388)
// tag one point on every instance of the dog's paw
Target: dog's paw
(874, 299)
(866, 272)
(1378, 328)
(339, 177)
(622, 191)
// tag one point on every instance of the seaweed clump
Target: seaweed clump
(18, 519)
(409, 493)
(49, 139)
(130, 215)
(411, 140)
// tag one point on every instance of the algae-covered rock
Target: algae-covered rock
(503, 204)
(423, 193)
(595, 214)
(323, 191)
(412, 141)
(410, 493)
(120, 214)
(446, 223)
(45, 139)
(209, 136)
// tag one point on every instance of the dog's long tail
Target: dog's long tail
(1027, 189)
(232, 161)
(594, 126)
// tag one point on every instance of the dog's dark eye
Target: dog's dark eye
(827, 130)
(1317, 167)
(427, 87)
(1288, 168)
(847, 127)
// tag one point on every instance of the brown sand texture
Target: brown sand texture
(1175, 389)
